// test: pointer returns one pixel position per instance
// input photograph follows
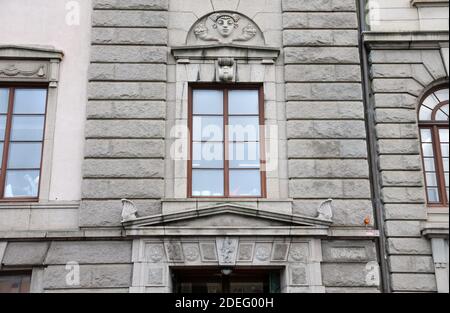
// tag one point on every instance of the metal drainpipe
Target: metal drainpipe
(372, 152)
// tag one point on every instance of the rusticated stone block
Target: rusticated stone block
(345, 275)
(348, 251)
(326, 129)
(403, 229)
(320, 20)
(86, 252)
(136, 54)
(320, 38)
(124, 148)
(321, 188)
(402, 178)
(128, 72)
(25, 253)
(127, 91)
(328, 168)
(324, 110)
(319, 5)
(413, 282)
(409, 246)
(119, 188)
(125, 36)
(323, 91)
(138, 129)
(327, 148)
(322, 73)
(104, 213)
(123, 168)
(318, 55)
(129, 18)
(411, 264)
(91, 276)
(132, 4)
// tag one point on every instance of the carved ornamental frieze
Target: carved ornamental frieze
(225, 28)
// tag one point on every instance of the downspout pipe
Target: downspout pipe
(372, 152)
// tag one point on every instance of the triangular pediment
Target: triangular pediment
(226, 215)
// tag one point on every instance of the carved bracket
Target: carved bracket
(225, 70)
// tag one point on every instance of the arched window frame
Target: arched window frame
(435, 127)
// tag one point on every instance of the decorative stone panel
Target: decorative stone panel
(299, 259)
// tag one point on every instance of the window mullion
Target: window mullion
(226, 164)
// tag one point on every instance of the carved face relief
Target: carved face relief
(225, 25)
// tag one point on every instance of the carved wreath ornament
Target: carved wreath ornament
(224, 25)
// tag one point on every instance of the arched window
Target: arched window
(433, 122)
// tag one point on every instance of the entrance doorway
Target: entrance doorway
(226, 280)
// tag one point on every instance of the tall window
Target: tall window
(226, 142)
(22, 120)
(433, 120)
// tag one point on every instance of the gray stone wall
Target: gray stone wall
(399, 77)
(326, 130)
(125, 128)
(100, 266)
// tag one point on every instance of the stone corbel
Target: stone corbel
(226, 70)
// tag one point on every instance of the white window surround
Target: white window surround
(198, 64)
(31, 64)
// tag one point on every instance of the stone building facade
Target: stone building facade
(343, 201)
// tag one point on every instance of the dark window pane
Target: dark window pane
(27, 128)
(433, 194)
(2, 127)
(207, 155)
(443, 135)
(426, 135)
(21, 183)
(15, 283)
(425, 114)
(428, 150)
(441, 116)
(431, 101)
(243, 102)
(207, 183)
(4, 100)
(244, 155)
(30, 101)
(208, 102)
(444, 150)
(245, 183)
(442, 94)
(430, 165)
(446, 165)
(243, 128)
(24, 155)
(1, 153)
(207, 128)
(431, 180)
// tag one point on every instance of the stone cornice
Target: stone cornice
(30, 52)
(185, 54)
(216, 210)
(429, 3)
(436, 230)
(406, 40)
